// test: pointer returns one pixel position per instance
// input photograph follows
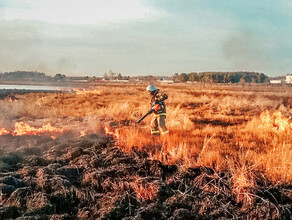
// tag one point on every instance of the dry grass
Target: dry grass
(245, 130)
(144, 191)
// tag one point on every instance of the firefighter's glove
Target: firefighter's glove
(157, 107)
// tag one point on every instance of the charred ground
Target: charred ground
(91, 178)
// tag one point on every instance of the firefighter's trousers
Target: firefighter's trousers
(158, 124)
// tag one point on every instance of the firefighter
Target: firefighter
(159, 116)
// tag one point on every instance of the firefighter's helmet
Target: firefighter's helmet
(151, 88)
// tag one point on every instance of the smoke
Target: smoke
(246, 51)
(37, 144)
(19, 47)
(65, 129)
(64, 64)
(26, 46)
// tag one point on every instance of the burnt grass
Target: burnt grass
(92, 178)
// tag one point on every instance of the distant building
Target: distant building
(192, 82)
(289, 78)
(276, 81)
(119, 80)
(165, 80)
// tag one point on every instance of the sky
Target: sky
(142, 37)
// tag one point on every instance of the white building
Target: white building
(289, 78)
(165, 81)
(275, 81)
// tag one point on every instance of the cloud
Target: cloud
(137, 37)
(78, 11)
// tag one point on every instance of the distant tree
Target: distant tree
(228, 77)
(111, 74)
(60, 77)
(183, 77)
(220, 77)
(26, 76)
(262, 78)
(242, 80)
(193, 77)
(253, 80)
(149, 78)
(207, 78)
(235, 78)
(175, 77)
(120, 76)
(105, 76)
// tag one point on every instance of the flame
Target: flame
(114, 133)
(3, 131)
(85, 92)
(275, 122)
(22, 128)
(82, 133)
(11, 99)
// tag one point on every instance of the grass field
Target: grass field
(245, 131)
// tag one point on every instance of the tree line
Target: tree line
(221, 77)
(204, 77)
(114, 76)
(30, 76)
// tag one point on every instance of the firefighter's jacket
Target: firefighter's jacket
(157, 101)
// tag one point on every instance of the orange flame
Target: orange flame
(275, 122)
(11, 99)
(82, 133)
(85, 92)
(114, 133)
(3, 131)
(22, 128)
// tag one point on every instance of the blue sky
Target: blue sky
(135, 37)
